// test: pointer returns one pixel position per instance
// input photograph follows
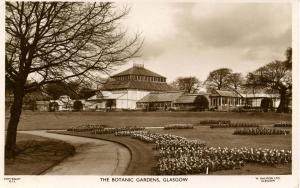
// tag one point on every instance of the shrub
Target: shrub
(77, 106)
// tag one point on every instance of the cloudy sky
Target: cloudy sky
(192, 39)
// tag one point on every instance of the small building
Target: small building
(106, 100)
(224, 100)
(255, 100)
(159, 101)
(197, 102)
(63, 103)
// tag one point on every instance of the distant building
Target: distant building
(63, 103)
(198, 102)
(159, 100)
(222, 100)
(255, 100)
(123, 90)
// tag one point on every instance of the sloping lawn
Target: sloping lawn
(37, 154)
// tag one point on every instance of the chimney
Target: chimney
(138, 65)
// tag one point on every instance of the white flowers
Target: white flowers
(179, 156)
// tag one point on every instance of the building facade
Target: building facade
(222, 100)
(256, 100)
(196, 102)
(63, 103)
(125, 89)
(159, 101)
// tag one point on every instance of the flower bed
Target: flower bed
(178, 126)
(282, 124)
(179, 156)
(211, 122)
(161, 140)
(234, 125)
(87, 128)
(260, 131)
(209, 159)
(114, 130)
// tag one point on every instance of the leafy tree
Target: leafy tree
(55, 90)
(217, 79)
(50, 42)
(289, 55)
(187, 84)
(234, 81)
(86, 92)
(275, 76)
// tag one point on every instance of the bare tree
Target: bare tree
(57, 41)
(217, 79)
(187, 84)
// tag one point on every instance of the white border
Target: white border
(229, 181)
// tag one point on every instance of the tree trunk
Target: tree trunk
(282, 105)
(15, 113)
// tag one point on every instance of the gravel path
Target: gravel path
(93, 156)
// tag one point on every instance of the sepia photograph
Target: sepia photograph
(141, 91)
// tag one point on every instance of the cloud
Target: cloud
(224, 25)
(192, 39)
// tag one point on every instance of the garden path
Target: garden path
(92, 157)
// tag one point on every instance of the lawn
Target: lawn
(222, 137)
(63, 120)
(36, 154)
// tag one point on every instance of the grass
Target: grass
(142, 154)
(36, 154)
(64, 120)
